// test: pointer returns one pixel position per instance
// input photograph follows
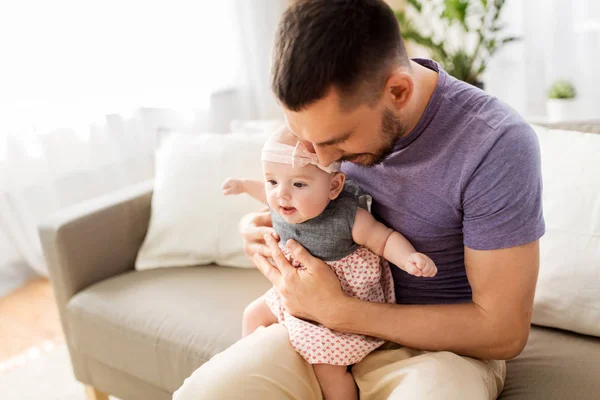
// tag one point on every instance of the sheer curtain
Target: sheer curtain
(560, 40)
(90, 87)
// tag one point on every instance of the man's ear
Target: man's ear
(337, 185)
(399, 87)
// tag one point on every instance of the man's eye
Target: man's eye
(299, 184)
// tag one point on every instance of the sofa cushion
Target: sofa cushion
(555, 365)
(191, 221)
(160, 325)
(568, 288)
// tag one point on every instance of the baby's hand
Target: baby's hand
(233, 186)
(419, 264)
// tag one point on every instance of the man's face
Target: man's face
(365, 135)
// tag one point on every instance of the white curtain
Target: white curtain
(560, 40)
(90, 87)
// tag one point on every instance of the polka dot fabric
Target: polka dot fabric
(362, 275)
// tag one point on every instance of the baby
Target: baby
(315, 206)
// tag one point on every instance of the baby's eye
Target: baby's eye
(299, 184)
(272, 182)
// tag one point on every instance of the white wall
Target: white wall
(551, 48)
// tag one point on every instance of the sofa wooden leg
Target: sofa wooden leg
(91, 393)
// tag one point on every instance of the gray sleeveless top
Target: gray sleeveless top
(329, 235)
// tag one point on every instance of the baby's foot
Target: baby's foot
(419, 264)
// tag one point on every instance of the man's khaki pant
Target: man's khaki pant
(265, 366)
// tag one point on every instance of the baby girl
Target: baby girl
(313, 205)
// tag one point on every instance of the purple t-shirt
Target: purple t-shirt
(467, 175)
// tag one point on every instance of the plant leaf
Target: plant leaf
(400, 16)
(456, 10)
(410, 33)
(416, 4)
(484, 20)
(462, 66)
(490, 45)
(481, 69)
(510, 39)
(497, 27)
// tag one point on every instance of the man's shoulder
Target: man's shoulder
(487, 133)
(484, 120)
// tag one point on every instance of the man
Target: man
(451, 168)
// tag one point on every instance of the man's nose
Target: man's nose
(327, 157)
(309, 146)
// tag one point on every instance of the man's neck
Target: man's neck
(425, 82)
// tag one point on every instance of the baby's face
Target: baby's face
(297, 194)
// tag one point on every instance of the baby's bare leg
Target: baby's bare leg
(257, 314)
(336, 382)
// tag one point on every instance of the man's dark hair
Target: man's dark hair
(350, 44)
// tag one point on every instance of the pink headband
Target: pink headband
(298, 156)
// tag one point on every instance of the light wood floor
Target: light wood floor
(28, 318)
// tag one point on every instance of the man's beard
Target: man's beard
(391, 131)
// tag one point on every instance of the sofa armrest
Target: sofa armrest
(95, 240)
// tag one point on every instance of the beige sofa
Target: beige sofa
(138, 335)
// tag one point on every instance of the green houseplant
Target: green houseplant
(562, 90)
(560, 105)
(462, 35)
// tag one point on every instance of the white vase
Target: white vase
(561, 109)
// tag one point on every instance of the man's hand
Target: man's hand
(495, 325)
(311, 292)
(253, 228)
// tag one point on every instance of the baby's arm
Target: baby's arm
(394, 247)
(254, 188)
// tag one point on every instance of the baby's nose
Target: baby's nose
(283, 192)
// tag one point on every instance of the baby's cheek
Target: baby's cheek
(271, 199)
(302, 203)
(313, 206)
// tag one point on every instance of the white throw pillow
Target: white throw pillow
(191, 222)
(568, 290)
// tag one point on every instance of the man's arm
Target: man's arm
(494, 326)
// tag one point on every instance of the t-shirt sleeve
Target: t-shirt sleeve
(346, 205)
(502, 199)
(363, 199)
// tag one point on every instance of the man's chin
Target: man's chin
(365, 160)
(371, 161)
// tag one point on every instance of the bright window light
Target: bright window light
(62, 55)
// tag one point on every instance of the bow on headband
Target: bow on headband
(297, 156)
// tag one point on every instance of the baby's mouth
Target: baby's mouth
(287, 210)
